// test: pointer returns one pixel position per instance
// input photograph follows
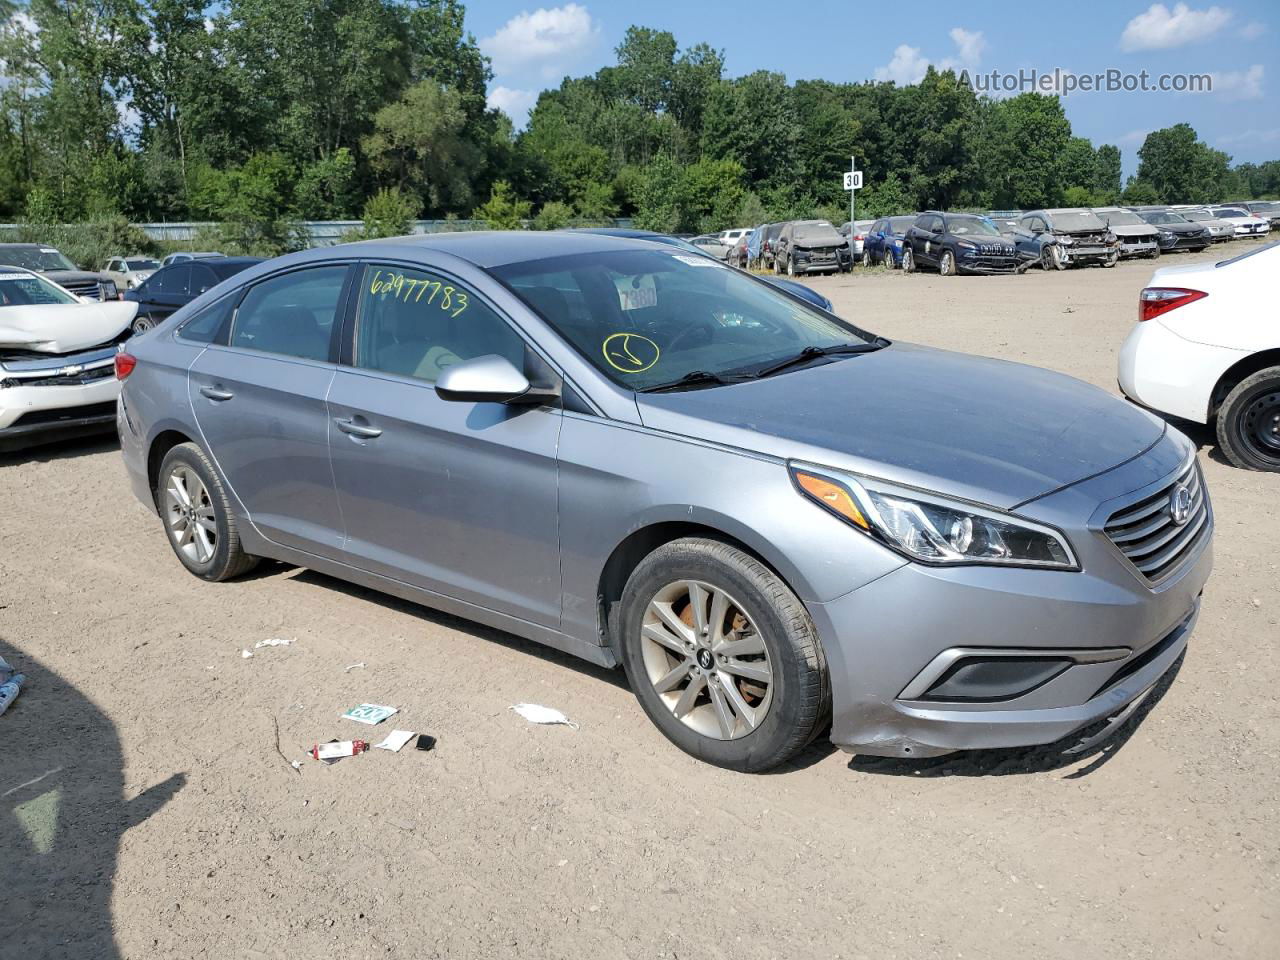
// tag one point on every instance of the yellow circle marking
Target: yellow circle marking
(630, 352)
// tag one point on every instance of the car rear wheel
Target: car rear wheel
(908, 260)
(947, 264)
(197, 516)
(1249, 422)
(866, 258)
(141, 324)
(722, 655)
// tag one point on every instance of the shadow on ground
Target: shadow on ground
(62, 814)
(1044, 759)
(61, 449)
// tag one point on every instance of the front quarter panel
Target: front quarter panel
(618, 478)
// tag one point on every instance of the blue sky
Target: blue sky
(1237, 42)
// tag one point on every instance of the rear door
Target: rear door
(165, 291)
(259, 398)
(456, 498)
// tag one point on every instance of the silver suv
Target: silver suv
(773, 520)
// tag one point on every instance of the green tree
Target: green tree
(1108, 181)
(1031, 138)
(388, 213)
(503, 211)
(1180, 168)
(553, 216)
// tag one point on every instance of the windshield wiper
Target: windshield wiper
(812, 353)
(694, 378)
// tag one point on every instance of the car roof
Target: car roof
(499, 248)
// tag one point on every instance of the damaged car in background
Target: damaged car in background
(57, 354)
(1070, 237)
(50, 262)
(1137, 237)
(811, 246)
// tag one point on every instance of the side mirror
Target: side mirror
(490, 379)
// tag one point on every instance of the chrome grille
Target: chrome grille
(1147, 534)
(85, 288)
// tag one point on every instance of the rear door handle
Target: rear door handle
(363, 431)
(216, 393)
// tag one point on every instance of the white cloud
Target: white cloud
(908, 65)
(547, 39)
(1161, 28)
(1132, 138)
(1240, 84)
(516, 104)
(1251, 136)
(1253, 30)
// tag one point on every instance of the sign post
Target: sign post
(852, 183)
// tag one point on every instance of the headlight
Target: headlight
(1166, 234)
(930, 528)
(967, 244)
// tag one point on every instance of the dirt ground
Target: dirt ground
(147, 812)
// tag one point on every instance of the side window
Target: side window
(414, 323)
(202, 279)
(174, 281)
(207, 325)
(292, 314)
(113, 266)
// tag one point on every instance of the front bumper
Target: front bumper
(802, 263)
(1088, 253)
(1185, 243)
(884, 637)
(988, 264)
(66, 396)
(1138, 248)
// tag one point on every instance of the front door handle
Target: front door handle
(216, 393)
(363, 431)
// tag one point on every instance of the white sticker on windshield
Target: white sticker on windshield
(697, 261)
(16, 276)
(48, 250)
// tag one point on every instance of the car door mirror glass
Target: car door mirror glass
(488, 379)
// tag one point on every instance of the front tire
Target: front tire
(791, 266)
(141, 324)
(947, 264)
(197, 516)
(908, 260)
(1249, 422)
(722, 655)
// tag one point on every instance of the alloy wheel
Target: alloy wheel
(189, 514)
(142, 325)
(706, 660)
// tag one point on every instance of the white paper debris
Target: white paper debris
(273, 642)
(370, 713)
(245, 654)
(395, 740)
(536, 713)
(296, 764)
(350, 667)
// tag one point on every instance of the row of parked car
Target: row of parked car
(954, 243)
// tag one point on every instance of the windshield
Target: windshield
(35, 258)
(818, 232)
(1231, 212)
(670, 241)
(1077, 221)
(1266, 207)
(1123, 218)
(971, 227)
(645, 318)
(141, 265)
(1164, 218)
(1201, 215)
(900, 225)
(25, 289)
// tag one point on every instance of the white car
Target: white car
(1207, 348)
(129, 272)
(1246, 224)
(730, 238)
(57, 360)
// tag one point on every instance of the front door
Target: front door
(457, 498)
(260, 403)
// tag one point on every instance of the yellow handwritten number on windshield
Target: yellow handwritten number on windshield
(630, 352)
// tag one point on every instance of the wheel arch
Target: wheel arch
(160, 445)
(641, 542)
(1237, 372)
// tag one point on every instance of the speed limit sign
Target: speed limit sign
(853, 180)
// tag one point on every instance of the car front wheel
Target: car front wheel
(947, 264)
(197, 516)
(1249, 422)
(141, 324)
(722, 655)
(908, 260)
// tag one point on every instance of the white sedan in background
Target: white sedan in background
(1207, 348)
(57, 360)
(1246, 224)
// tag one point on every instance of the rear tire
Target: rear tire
(866, 259)
(141, 324)
(712, 703)
(199, 524)
(1249, 422)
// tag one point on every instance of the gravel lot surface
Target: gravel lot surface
(149, 808)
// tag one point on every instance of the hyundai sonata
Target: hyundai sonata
(776, 522)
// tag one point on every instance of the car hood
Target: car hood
(1180, 227)
(71, 276)
(819, 243)
(63, 327)
(987, 430)
(1133, 230)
